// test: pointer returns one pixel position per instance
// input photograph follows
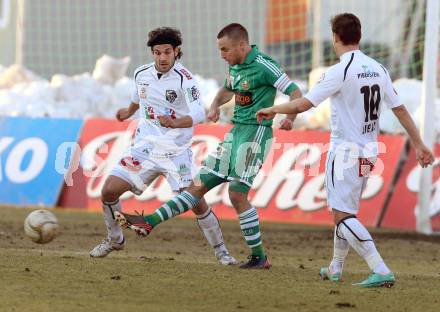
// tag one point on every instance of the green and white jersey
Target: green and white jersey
(255, 83)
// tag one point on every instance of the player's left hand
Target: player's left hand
(166, 121)
(265, 113)
(424, 156)
(286, 124)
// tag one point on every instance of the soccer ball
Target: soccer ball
(41, 226)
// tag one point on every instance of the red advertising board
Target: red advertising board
(401, 212)
(289, 187)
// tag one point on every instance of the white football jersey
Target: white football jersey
(357, 87)
(173, 94)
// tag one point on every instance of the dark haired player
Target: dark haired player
(169, 101)
(253, 79)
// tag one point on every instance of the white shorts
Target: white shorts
(345, 179)
(140, 171)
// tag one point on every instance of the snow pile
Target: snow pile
(101, 94)
(23, 93)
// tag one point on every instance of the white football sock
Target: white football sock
(340, 251)
(114, 231)
(210, 227)
(360, 239)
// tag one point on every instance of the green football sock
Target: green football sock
(250, 227)
(175, 206)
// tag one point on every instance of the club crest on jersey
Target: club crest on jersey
(245, 85)
(193, 93)
(187, 75)
(170, 95)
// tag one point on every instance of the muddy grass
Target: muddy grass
(175, 270)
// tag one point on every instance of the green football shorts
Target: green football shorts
(238, 158)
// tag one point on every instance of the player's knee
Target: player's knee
(239, 200)
(201, 208)
(109, 193)
(197, 189)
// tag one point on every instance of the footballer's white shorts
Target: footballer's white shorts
(140, 170)
(345, 179)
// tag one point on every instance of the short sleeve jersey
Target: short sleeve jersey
(169, 94)
(255, 83)
(357, 87)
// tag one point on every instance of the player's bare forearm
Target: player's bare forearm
(406, 121)
(293, 107)
(125, 113)
(133, 107)
(183, 122)
(223, 96)
(296, 94)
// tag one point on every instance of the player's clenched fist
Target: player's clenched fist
(213, 114)
(424, 156)
(265, 113)
(286, 124)
(123, 114)
(166, 121)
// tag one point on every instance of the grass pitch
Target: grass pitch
(175, 270)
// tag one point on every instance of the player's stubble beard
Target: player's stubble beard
(168, 67)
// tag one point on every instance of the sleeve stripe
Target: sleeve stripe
(276, 69)
(283, 83)
(273, 72)
(348, 65)
(269, 65)
(141, 70)
(286, 85)
(281, 80)
(181, 77)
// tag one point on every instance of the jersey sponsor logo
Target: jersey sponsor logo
(170, 95)
(193, 93)
(368, 73)
(243, 98)
(185, 73)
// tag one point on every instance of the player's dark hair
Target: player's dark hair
(234, 31)
(165, 35)
(348, 28)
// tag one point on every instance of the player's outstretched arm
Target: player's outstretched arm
(293, 107)
(125, 113)
(223, 96)
(423, 154)
(287, 123)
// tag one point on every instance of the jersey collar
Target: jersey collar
(347, 54)
(250, 57)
